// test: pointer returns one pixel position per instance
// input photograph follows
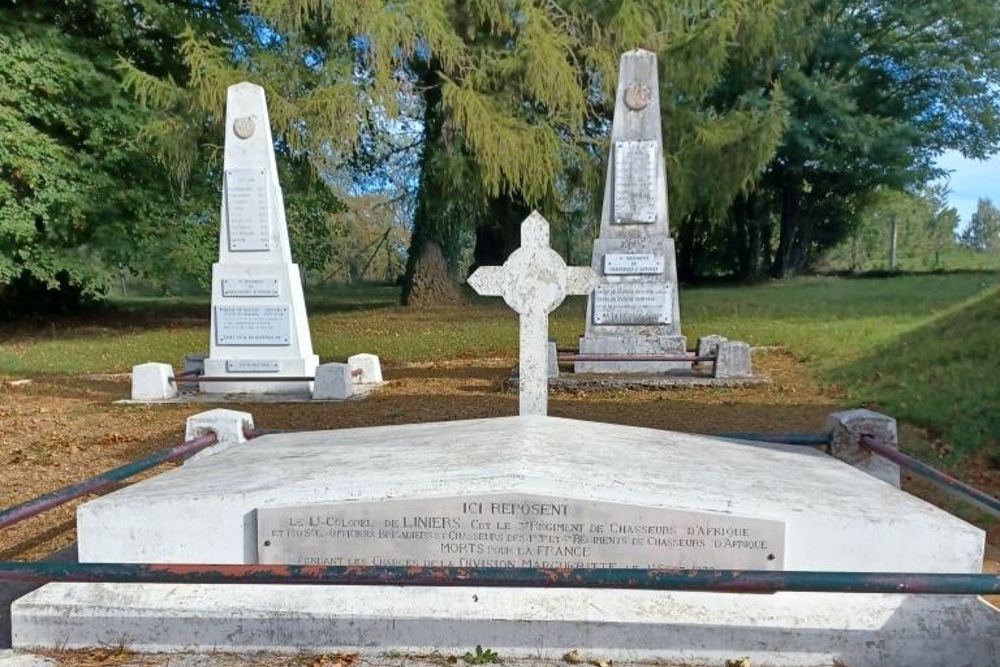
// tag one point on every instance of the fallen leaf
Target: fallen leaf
(334, 660)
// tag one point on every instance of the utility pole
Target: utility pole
(892, 242)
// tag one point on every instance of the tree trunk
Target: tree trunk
(756, 242)
(685, 236)
(695, 247)
(500, 234)
(783, 264)
(427, 280)
(746, 242)
(430, 282)
(802, 248)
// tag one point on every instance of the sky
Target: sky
(971, 180)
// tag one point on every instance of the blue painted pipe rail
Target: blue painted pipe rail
(789, 438)
(730, 581)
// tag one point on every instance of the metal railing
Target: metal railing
(946, 482)
(692, 358)
(728, 581)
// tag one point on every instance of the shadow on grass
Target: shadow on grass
(942, 376)
(157, 313)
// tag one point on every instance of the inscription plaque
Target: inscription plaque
(515, 530)
(632, 303)
(247, 218)
(253, 325)
(250, 287)
(635, 178)
(252, 366)
(632, 263)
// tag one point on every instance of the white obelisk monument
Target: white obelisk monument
(259, 323)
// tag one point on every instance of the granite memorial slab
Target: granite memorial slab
(621, 264)
(253, 366)
(532, 489)
(636, 181)
(628, 303)
(236, 287)
(248, 210)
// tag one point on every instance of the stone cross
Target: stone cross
(533, 281)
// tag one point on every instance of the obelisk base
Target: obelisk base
(634, 345)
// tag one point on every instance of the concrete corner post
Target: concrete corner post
(333, 381)
(229, 426)
(732, 360)
(553, 360)
(847, 427)
(370, 367)
(709, 345)
(153, 382)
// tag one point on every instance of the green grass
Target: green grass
(829, 321)
(942, 374)
(920, 347)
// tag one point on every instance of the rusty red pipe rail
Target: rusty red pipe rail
(248, 378)
(948, 483)
(357, 372)
(104, 481)
(634, 357)
(731, 581)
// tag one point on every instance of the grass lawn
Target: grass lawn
(919, 347)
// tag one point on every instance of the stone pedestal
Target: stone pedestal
(259, 323)
(846, 429)
(368, 367)
(732, 360)
(635, 309)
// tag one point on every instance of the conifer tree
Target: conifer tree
(511, 97)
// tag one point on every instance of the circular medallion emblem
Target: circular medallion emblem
(243, 127)
(637, 97)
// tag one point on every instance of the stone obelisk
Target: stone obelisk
(635, 309)
(259, 323)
